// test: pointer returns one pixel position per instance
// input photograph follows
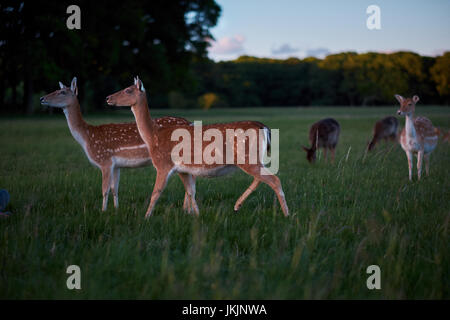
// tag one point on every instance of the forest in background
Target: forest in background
(165, 43)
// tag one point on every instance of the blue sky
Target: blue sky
(300, 28)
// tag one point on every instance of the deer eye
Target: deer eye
(128, 91)
(62, 92)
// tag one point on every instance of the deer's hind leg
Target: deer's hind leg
(106, 185)
(189, 198)
(246, 193)
(325, 154)
(333, 154)
(427, 163)
(262, 174)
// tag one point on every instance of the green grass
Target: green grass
(344, 217)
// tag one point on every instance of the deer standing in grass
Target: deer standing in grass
(161, 147)
(109, 147)
(385, 128)
(323, 134)
(419, 136)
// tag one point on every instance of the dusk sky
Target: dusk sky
(301, 28)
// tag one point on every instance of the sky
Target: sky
(301, 28)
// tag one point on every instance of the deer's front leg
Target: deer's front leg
(409, 155)
(161, 181)
(419, 163)
(106, 185)
(115, 185)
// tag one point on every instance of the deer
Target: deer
(108, 147)
(161, 146)
(385, 128)
(445, 136)
(418, 137)
(323, 134)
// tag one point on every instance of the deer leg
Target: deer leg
(246, 193)
(189, 185)
(187, 200)
(115, 185)
(160, 184)
(409, 155)
(333, 151)
(325, 153)
(419, 163)
(264, 175)
(427, 163)
(106, 185)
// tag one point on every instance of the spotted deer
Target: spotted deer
(161, 146)
(419, 136)
(109, 147)
(385, 128)
(323, 134)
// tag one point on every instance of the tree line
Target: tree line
(165, 43)
(348, 78)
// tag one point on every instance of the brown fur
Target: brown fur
(108, 146)
(419, 136)
(160, 146)
(385, 128)
(323, 134)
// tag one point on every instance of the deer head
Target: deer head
(129, 96)
(310, 154)
(63, 97)
(407, 105)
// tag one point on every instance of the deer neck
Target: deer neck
(144, 121)
(409, 126)
(77, 126)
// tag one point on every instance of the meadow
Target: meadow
(359, 211)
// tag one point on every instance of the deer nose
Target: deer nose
(107, 99)
(399, 112)
(42, 99)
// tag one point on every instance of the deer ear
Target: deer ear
(399, 98)
(73, 86)
(415, 99)
(135, 80)
(140, 85)
(61, 86)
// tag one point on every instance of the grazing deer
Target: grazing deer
(110, 146)
(446, 137)
(385, 128)
(323, 134)
(418, 136)
(161, 146)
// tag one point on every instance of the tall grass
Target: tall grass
(344, 217)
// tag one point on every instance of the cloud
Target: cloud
(284, 49)
(228, 45)
(317, 52)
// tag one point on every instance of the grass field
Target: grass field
(344, 217)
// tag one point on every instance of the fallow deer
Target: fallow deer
(446, 137)
(385, 128)
(161, 146)
(323, 134)
(110, 146)
(419, 136)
